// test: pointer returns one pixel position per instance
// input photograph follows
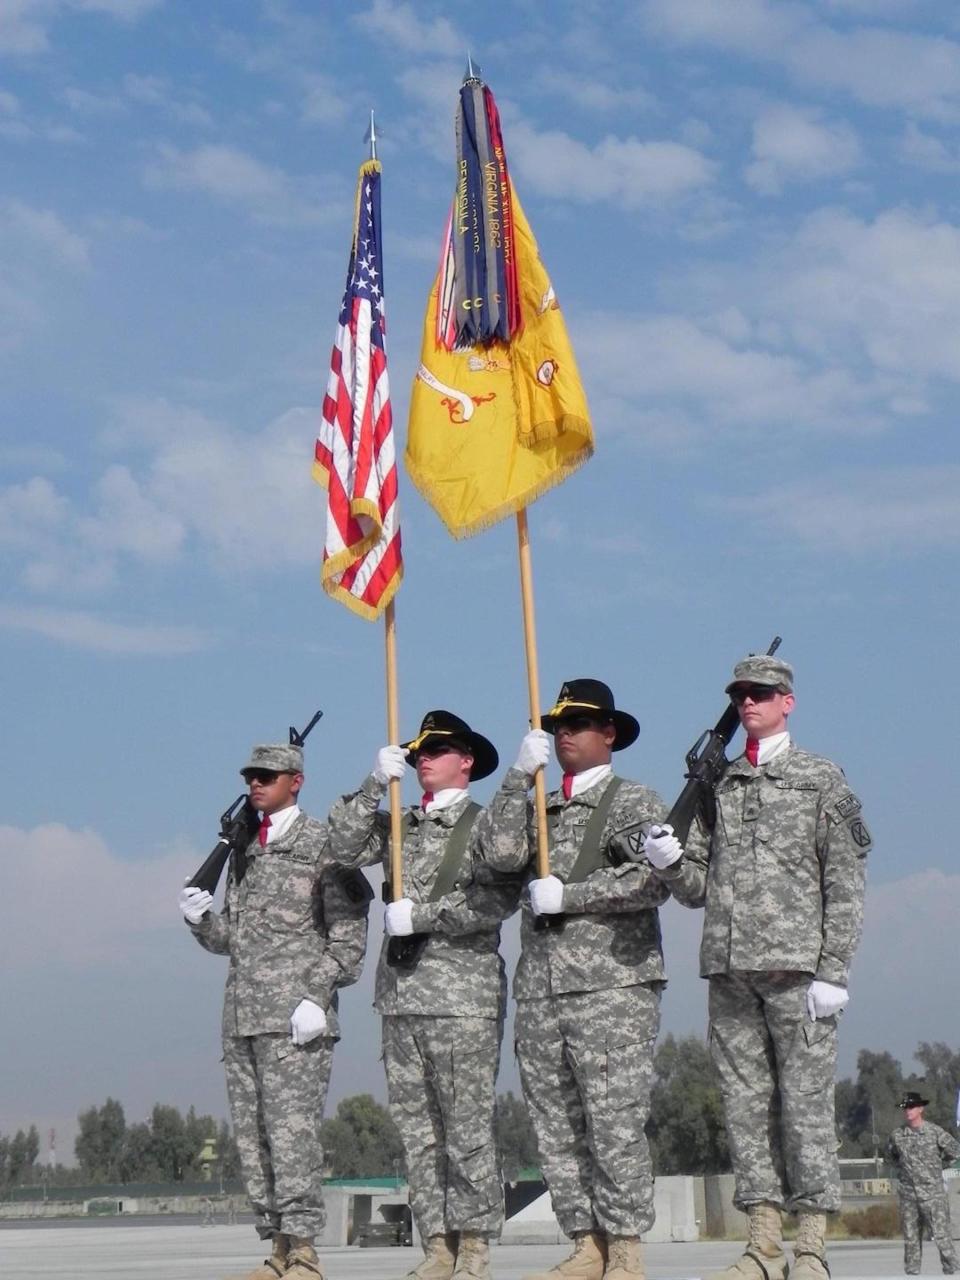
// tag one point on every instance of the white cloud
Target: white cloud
(77, 630)
(615, 169)
(877, 66)
(237, 178)
(324, 102)
(25, 24)
(43, 229)
(85, 102)
(867, 511)
(927, 151)
(155, 91)
(794, 145)
(887, 287)
(663, 373)
(240, 502)
(398, 26)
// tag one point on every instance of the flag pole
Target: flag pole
(393, 702)
(393, 736)
(533, 685)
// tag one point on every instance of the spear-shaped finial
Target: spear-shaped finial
(371, 136)
(473, 70)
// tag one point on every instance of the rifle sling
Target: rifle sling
(591, 856)
(452, 861)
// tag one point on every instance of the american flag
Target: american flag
(355, 458)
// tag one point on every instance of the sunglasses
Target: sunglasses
(437, 749)
(755, 692)
(266, 777)
(579, 724)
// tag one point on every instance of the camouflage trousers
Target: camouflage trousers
(932, 1212)
(441, 1077)
(776, 1071)
(277, 1092)
(586, 1065)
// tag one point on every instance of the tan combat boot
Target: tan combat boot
(276, 1264)
(473, 1257)
(302, 1261)
(625, 1259)
(587, 1262)
(763, 1258)
(440, 1257)
(809, 1249)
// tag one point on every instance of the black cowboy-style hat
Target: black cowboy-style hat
(444, 726)
(591, 697)
(911, 1099)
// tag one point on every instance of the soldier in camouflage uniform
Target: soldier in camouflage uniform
(442, 1002)
(921, 1150)
(782, 879)
(588, 982)
(295, 929)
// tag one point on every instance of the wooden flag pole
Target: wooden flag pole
(533, 686)
(393, 736)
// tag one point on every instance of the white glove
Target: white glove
(546, 896)
(824, 999)
(534, 752)
(307, 1022)
(398, 918)
(662, 848)
(194, 903)
(391, 762)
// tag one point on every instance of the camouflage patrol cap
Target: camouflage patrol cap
(761, 668)
(277, 756)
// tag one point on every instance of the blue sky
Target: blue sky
(749, 213)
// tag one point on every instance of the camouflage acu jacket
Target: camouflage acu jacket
(611, 935)
(460, 972)
(782, 876)
(294, 928)
(921, 1155)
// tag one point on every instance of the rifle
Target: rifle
(238, 826)
(706, 764)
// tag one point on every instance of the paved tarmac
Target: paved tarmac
(162, 1252)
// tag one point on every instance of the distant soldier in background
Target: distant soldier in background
(443, 1004)
(921, 1150)
(588, 982)
(782, 878)
(295, 928)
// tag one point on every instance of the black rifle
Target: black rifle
(238, 826)
(706, 764)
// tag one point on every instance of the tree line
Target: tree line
(360, 1139)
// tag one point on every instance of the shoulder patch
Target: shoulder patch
(356, 886)
(861, 836)
(847, 807)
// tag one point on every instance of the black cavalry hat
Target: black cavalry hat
(911, 1099)
(444, 726)
(591, 697)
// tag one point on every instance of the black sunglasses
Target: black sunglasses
(266, 777)
(755, 692)
(579, 724)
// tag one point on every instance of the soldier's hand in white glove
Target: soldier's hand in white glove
(824, 999)
(398, 918)
(391, 762)
(307, 1022)
(534, 752)
(194, 903)
(546, 896)
(662, 848)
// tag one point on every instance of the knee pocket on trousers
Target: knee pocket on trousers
(628, 1073)
(816, 1042)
